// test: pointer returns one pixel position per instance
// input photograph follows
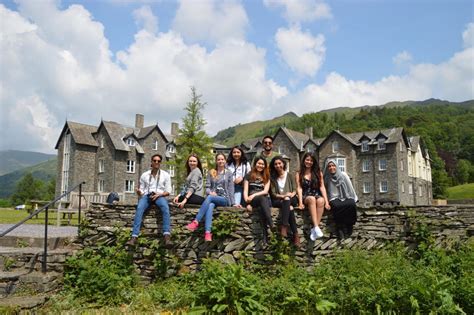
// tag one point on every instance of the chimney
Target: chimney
(139, 118)
(309, 132)
(174, 128)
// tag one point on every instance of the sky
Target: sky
(87, 61)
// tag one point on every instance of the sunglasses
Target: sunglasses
(267, 142)
(157, 161)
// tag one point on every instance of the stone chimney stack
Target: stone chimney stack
(174, 128)
(309, 132)
(139, 119)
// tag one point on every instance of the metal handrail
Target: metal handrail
(45, 208)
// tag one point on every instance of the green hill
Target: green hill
(12, 160)
(241, 132)
(465, 191)
(44, 171)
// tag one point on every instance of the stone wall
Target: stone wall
(375, 227)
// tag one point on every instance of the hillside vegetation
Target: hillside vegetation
(12, 160)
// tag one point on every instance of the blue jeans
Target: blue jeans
(207, 207)
(238, 190)
(143, 204)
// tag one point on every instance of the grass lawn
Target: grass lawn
(465, 191)
(9, 215)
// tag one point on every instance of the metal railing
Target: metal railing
(45, 208)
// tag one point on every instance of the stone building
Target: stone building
(386, 166)
(110, 157)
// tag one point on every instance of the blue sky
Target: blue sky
(92, 60)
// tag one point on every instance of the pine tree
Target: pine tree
(26, 189)
(192, 138)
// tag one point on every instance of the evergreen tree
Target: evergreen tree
(192, 138)
(26, 189)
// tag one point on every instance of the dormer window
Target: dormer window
(171, 148)
(365, 146)
(381, 144)
(131, 142)
(335, 147)
(102, 140)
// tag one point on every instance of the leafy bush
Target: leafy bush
(103, 276)
(224, 224)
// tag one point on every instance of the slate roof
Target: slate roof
(81, 133)
(393, 135)
(298, 139)
(119, 133)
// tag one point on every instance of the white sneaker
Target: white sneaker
(318, 231)
(313, 235)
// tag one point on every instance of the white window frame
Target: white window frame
(403, 187)
(101, 166)
(420, 191)
(410, 188)
(100, 185)
(365, 146)
(66, 162)
(155, 145)
(335, 147)
(402, 167)
(366, 187)
(382, 164)
(383, 186)
(365, 166)
(102, 140)
(381, 144)
(401, 147)
(129, 185)
(341, 164)
(171, 148)
(131, 142)
(130, 166)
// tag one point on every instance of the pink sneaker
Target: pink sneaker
(208, 236)
(193, 225)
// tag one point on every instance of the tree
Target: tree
(463, 169)
(192, 138)
(26, 189)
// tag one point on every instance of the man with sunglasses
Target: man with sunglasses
(155, 186)
(267, 152)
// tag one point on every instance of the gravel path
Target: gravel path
(37, 230)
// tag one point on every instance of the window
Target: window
(100, 185)
(410, 188)
(102, 142)
(365, 146)
(131, 142)
(366, 187)
(382, 164)
(420, 191)
(171, 170)
(381, 144)
(335, 147)
(279, 149)
(66, 161)
(341, 163)
(130, 166)
(170, 148)
(101, 166)
(365, 166)
(401, 147)
(129, 186)
(383, 186)
(403, 187)
(155, 145)
(401, 165)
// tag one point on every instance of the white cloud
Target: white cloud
(468, 36)
(210, 20)
(303, 52)
(145, 19)
(297, 11)
(402, 58)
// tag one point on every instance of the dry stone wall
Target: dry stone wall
(375, 228)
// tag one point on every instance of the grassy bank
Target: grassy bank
(465, 191)
(11, 216)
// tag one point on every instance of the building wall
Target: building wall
(283, 145)
(82, 166)
(105, 153)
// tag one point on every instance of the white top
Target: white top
(281, 182)
(159, 183)
(241, 171)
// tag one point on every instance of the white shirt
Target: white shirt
(158, 184)
(241, 171)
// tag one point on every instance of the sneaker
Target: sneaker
(208, 236)
(132, 241)
(193, 225)
(313, 236)
(318, 231)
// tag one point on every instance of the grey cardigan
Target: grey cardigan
(228, 186)
(194, 182)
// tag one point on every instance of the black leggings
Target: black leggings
(193, 199)
(287, 215)
(263, 204)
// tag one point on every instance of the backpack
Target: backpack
(112, 197)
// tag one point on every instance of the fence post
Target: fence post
(45, 252)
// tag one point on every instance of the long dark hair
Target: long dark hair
(254, 173)
(315, 171)
(230, 159)
(273, 172)
(199, 165)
